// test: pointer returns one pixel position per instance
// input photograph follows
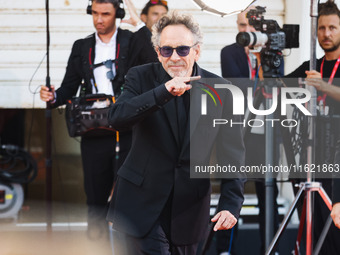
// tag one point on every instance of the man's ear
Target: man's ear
(158, 53)
(144, 18)
(197, 50)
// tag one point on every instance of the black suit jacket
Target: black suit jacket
(80, 66)
(141, 49)
(158, 164)
(234, 62)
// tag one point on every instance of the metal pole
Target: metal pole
(48, 113)
(311, 143)
(285, 220)
(269, 180)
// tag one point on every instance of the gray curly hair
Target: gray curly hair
(176, 18)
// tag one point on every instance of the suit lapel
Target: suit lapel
(170, 107)
(194, 113)
(88, 53)
(195, 103)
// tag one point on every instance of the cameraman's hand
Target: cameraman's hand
(313, 74)
(134, 18)
(46, 94)
(314, 79)
(177, 86)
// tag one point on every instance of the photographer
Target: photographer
(100, 61)
(242, 66)
(328, 32)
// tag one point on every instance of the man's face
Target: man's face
(104, 17)
(154, 14)
(329, 32)
(175, 65)
(243, 24)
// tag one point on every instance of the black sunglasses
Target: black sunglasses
(182, 51)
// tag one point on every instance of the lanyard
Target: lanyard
(335, 68)
(252, 70)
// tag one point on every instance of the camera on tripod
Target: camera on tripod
(271, 38)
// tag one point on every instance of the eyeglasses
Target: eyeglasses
(182, 51)
(159, 1)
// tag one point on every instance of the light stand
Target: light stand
(269, 178)
(48, 116)
(311, 137)
(309, 186)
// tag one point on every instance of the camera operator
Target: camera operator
(242, 66)
(328, 32)
(109, 45)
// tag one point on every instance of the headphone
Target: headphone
(120, 12)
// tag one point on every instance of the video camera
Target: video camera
(271, 38)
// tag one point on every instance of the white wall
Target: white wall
(23, 41)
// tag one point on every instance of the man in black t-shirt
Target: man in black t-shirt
(329, 104)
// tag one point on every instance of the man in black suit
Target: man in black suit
(156, 207)
(141, 49)
(85, 65)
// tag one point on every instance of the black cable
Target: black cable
(30, 82)
(34, 92)
(16, 165)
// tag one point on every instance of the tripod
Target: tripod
(327, 127)
(264, 94)
(306, 187)
(309, 186)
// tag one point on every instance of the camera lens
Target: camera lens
(243, 38)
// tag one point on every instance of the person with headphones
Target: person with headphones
(99, 61)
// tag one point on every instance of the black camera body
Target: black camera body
(279, 39)
(271, 38)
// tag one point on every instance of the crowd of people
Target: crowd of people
(155, 206)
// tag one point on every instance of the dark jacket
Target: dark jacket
(158, 164)
(141, 49)
(80, 66)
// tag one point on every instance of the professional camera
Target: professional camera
(271, 38)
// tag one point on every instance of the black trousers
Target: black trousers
(255, 156)
(156, 242)
(100, 165)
